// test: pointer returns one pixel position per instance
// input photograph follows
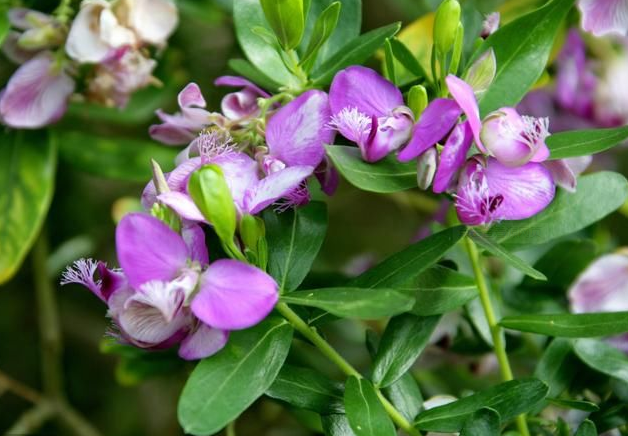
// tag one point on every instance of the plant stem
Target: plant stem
(499, 346)
(19, 389)
(231, 429)
(32, 419)
(328, 351)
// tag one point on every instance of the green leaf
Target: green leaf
(587, 428)
(305, 388)
(497, 250)
(405, 265)
(484, 422)
(389, 62)
(287, 20)
(402, 343)
(602, 357)
(598, 195)
(440, 290)
(5, 25)
(406, 396)
(584, 142)
(522, 48)
(387, 175)
(294, 239)
(248, 70)
(354, 52)
(365, 412)
(586, 406)
(323, 28)
(406, 58)
(223, 386)
(336, 425)
(557, 366)
(28, 160)
(509, 399)
(248, 15)
(113, 157)
(353, 302)
(567, 325)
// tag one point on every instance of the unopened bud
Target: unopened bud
(417, 100)
(482, 72)
(426, 168)
(40, 38)
(253, 235)
(446, 25)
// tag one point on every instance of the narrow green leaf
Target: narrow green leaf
(567, 325)
(111, 157)
(366, 414)
(406, 58)
(602, 357)
(353, 302)
(509, 399)
(406, 396)
(387, 175)
(223, 386)
(440, 290)
(5, 25)
(522, 48)
(323, 28)
(389, 62)
(587, 428)
(557, 366)
(248, 70)
(28, 160)
(497, 250)
(336, 425)
(404, 266)
(294, 239)
(484, 422)
(286, 18)
(247, 15)
(402, 343)
(306, 388)
(584, 142)
(354, 52)
(586, 406)
(598, 195)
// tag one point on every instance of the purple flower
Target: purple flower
(490, 24)
(603, 17)
(242, 104)
(183, 126)
(369, 110)
(489, 191)
(452, 157)
(603, 287)
(37, 93)
(167, 292)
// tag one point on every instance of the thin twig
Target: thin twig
(19, 389)
(32, 419)
(75, 421)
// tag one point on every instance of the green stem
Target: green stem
(231, 429)
(31, 420)
(328, 351)
(499, 345)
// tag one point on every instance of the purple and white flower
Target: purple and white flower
(604, 17)
(241, 104)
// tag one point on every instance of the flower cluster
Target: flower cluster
(112, 38)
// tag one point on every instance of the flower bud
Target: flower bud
(446, 25)
(515, 140)
(417, 100)
(287, 19)
(426, 168)
(253, 235)
(482, 72)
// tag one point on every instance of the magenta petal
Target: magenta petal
(453, 156)
(234, 295)
(191, 96)
(83, 272)
(37, 93)
(177, 181)
(182, 204)
(602, 287)
(170, 135)
(296, 133)
(275, 186)
(236, 81)
(148, 249)
(565, 171)
(464, 96)
(364, 89)
(203, 342)
(241, 172)
(601, 17)
(194, 238)
(438, 118)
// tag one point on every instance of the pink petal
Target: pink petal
(364, 89)
(203, 342)
(274, 187)
(602, 287)
(148, 249)
(182, 204)
(602, 17)
(240, 82)
(37, 94)
(234, 295)
(241, 172)
(464, 96)
(194, 238)
(296, 133)
(177, 181)
(453, 156)
(190, 96)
